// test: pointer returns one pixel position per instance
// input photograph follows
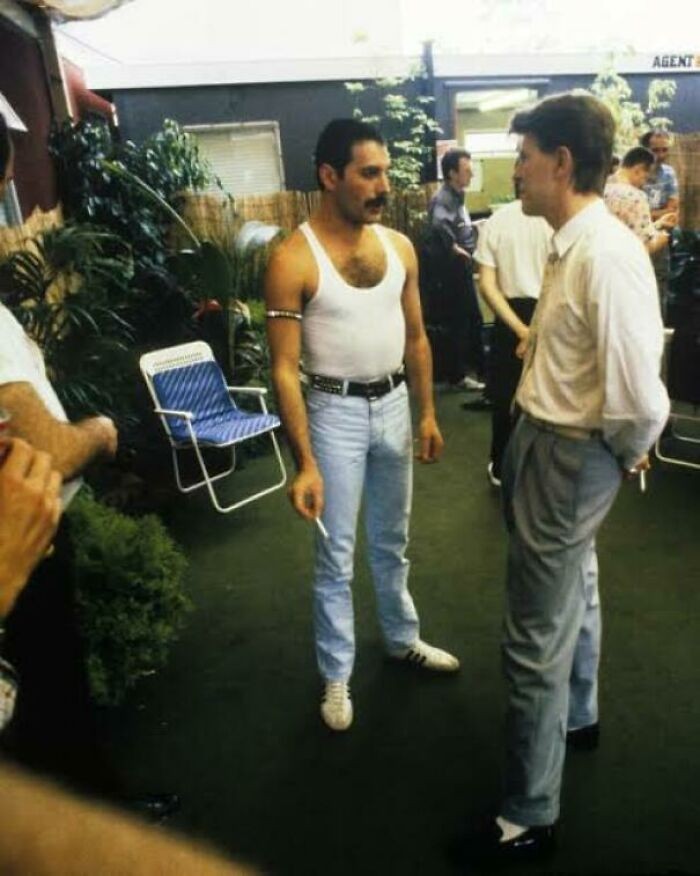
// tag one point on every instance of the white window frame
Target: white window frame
(238, 126)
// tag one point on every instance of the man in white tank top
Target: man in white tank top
(355, 284)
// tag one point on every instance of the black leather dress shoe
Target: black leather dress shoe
(584, 738)
(154, 807)
(484, 847)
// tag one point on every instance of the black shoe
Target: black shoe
(483, 846)
(585, 738)
(154, 807)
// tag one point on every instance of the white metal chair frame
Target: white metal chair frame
(190, 354)
(675, 418)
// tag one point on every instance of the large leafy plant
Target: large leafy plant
(633, 118)
(68, 289)
(404, 120)
(169, 163)
(220, 281)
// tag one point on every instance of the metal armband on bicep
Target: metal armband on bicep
(283, 314)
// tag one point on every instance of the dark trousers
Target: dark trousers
(457, 312)
(54, 727)
(503, 376)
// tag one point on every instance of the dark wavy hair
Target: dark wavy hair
(638, 155)
(336, 140)
(581, 123)
(450, 161)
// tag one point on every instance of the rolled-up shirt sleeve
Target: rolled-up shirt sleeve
(626, 317)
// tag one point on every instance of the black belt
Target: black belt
(372, 390)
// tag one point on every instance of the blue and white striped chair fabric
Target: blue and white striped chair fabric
(196, 408)
(200, 390)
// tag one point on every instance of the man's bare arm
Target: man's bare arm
(658, 242)
(71, 445)
(497, 301)
(51, 833)
(284, 290)
(418, 356)
(671, 206)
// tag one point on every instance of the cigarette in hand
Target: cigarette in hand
(642, 481)
(321, 528)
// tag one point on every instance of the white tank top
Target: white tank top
(352, 333)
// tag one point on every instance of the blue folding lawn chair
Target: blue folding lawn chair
(197, 410)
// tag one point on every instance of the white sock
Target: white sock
(510, 830)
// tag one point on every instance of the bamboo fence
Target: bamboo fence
(218, 219)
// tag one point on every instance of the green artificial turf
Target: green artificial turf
(232, 724)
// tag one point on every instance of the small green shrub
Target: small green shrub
(130, 594)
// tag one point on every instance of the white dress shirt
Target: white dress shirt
(596, 340)
(517, 246)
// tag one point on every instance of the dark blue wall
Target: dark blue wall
(303, 108)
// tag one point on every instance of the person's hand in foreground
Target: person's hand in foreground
(30, 508)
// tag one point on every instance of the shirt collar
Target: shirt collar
(569, 233)
(457, 196)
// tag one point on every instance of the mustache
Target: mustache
(379, 201)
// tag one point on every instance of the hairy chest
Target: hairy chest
(363, 267)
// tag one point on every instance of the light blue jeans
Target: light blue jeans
(557, 491)
(362, 447)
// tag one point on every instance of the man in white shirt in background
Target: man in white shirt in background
(591, 403)
(511, 253)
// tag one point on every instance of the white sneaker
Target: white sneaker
(336, 707)
(473, 383)
(428, 657)
(493, 480)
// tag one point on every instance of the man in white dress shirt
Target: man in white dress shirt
(511, 253)
(591, 404)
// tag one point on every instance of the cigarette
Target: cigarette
(642, 481)
(321, 528)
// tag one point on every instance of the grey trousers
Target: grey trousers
(557, 491)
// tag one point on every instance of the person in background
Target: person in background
(661, 188)
(448, 250)
(511, 253)
(625, 199)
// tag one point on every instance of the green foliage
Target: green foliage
(158, 307)
(405, 123)
(134, 192)
(130, 594)
(68, 289)
(251, 363)
(168, 163)
(631, 118)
